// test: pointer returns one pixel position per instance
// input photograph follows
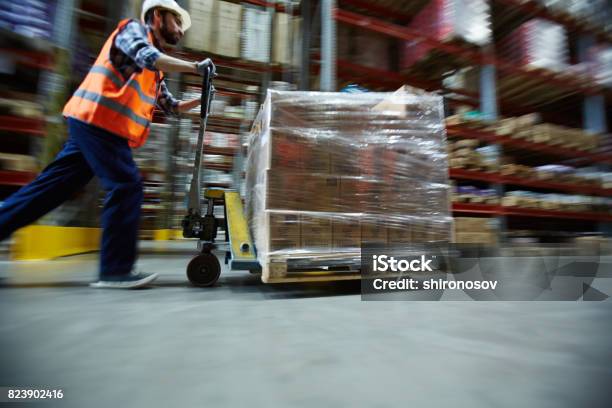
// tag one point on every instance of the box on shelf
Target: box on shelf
(486, 238)
(473, 224)
(537, 43)
(282, 44)
(18, 162)
(227, 29)
(448, 20)
(200, 35)
(256, 34)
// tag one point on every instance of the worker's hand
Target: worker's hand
(203, 65)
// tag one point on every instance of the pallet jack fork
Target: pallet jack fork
(204, 269)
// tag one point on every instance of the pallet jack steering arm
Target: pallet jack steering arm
(196, 225)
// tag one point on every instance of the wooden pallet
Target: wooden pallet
(321, 270)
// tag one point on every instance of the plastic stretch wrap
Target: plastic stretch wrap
(328, 171)
(537, 43)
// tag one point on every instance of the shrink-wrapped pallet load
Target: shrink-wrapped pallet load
(328, 172)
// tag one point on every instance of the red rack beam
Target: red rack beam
(497, 178)
(277, 6)
(380, 77)
(476, 208)
(221, 151)
(377, 9)
(218, 166)
(528, 212)
(15, 178)
(404, 33)
(22, 125)
(485, 209)
(473, 175)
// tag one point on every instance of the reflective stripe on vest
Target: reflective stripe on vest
(112, 105)
(98, 69)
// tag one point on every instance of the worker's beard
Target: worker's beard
(169, 38)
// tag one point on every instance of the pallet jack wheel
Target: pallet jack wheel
(204, 270)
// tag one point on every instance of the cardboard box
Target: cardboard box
(472, 224)
(466, 143)
(256, 34)
(346, 233)
(357, 194)
(281, 52)
(200, 35)
(399, 233)
(303, 152)
(302, 191)
(373, 231)
(17, 162)
(316, 233)
(284, 231)
(487, 238)
(419, 232)
(321, 193)
(394, 105)
(439, 231)
(284, 190)
(343, 159)
(227, 29)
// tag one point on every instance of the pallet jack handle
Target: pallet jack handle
(195, 196)
(194, 224)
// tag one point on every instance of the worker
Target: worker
(108, 115)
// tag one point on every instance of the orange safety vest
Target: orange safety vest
(106, 100)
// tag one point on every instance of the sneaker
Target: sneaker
(131, 281)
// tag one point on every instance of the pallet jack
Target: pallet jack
(204, 269)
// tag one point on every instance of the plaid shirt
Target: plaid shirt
(132, 52)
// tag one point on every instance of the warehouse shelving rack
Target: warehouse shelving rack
(37, 55)
(513, 89)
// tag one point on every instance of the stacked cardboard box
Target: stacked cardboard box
(465, 154)
(283, 38)
(328, 171)
(227, 29)
(473, 230)
(200, 34)
(256, 34)
(17, 162)
(537, 43)
(216, 27)
(556, 202)
(530, 128)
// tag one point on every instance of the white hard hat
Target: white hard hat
(168, 5)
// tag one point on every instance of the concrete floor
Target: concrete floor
(244, 343)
